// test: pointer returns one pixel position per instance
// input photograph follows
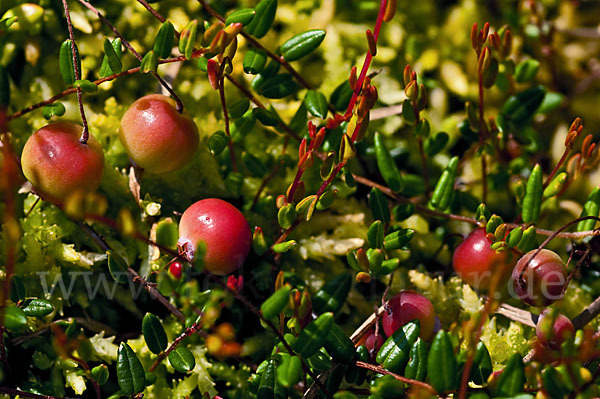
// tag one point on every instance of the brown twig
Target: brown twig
(381, 370)
(155, 13)
(226, 118)
(188, 332)
(85, 134)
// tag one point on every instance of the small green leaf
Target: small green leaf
(242, 126)
(53, 109)
(532, 202)
(243, 16)
(512, 378)
(313, 336)
(341, 96)
(338, 345)
(154, 334)
(289, 370)
(302, 44)
(254, 61)
(435, 144)
(117, 267)
(130, 373)
(14, 318)
(482, 364)
(387, 166)
(286, 216)
(167, 233)
(379, 206)
(398, 239)
(551, 381)
(408, 112)
(100, 374)
(269, 387)
(182, 360)
(444, 189)
(238, 108)
(395, 351)
(163, 44)
(283, 247)
(417, 364)
(591, 207)
(217, 142)
(112, 57)
(527, 242)
(254, 165)
(149, 62)
(316, 103)
(278, 86)
(526, 70)
(555, 185)
(187, 39)
(267, 117)
(67, 68)
(441, 363)
(333, 294)
(37, 307)
(86, 85)
(521, 107)
(403, 211)
(375, 234)
(276, 302)
(263, 20)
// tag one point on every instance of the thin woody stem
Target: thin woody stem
(226, 118)
(85, 135)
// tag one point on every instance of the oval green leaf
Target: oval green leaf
(313, 336)
(441, 363)
(263, 19)
(395, 351)
(154, 333)
(182, 360)
(243, 16)
(302, 44)
(130, 373)
(163, 44)
(37, 307)
(316, 103)
(333, 294)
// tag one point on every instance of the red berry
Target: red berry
(156, 136)
(553, 329)
(541, 281)
(57, 164)
(223, 229)
(176, 269)
(407, 306)
(475, 261)
(372, 342)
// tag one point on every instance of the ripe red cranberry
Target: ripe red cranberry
(176, 270)
(541, 281)
(475, 261)
(407, 306)
(57, 164)
(156, 136)
(552, 330)
(372, 343)
(222, 228)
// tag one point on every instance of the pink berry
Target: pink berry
(222, 228)
(553, 331)
(475, 261)
(407, 306)
(156, 136)
(541, 281)
(57, 164)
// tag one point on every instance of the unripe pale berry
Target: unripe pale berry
(57, 164)
(541, 281)
(222, 228)
(407, 306)
(475, 261)
(552, 330)
(156, 136)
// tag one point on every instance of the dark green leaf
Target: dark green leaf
(254, 165)
(243, 16)
(86, 85)
(276, 302)
(154, 333)
(416, 368)
(50, 110)
(37, 307)
(341, 96)
(435, 144)
(238, 108)
(300, 119)
(100, 374)
(254, 61)
(482, 365)
(289, 370)
(111, 63)
(14, 318)
(67, 69)
(441, 363)
(217, 142)
(387, 166)
(302, 44)
(130, 373)
(117, 267)
(333, 294)
(526, 70)
(167, 234)
(375, 234)
(338, 345)
(267, 117)
(316, 103)
(163, 44)
(521, 107)
(149, 62)
(278, 86)
(262, 21)
(444, 189)
(242, 126)
(552, 383)
(398, 239)
(182, 360)
(395, 351)
(379, 206)
(408, 112)
(313, 336)
(512, 378)
(269, 388)
(403, 211)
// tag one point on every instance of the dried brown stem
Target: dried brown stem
(226, 118)
(188, 331)
(381, 370)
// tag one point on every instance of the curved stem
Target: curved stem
(226, 118)
(381, 370)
